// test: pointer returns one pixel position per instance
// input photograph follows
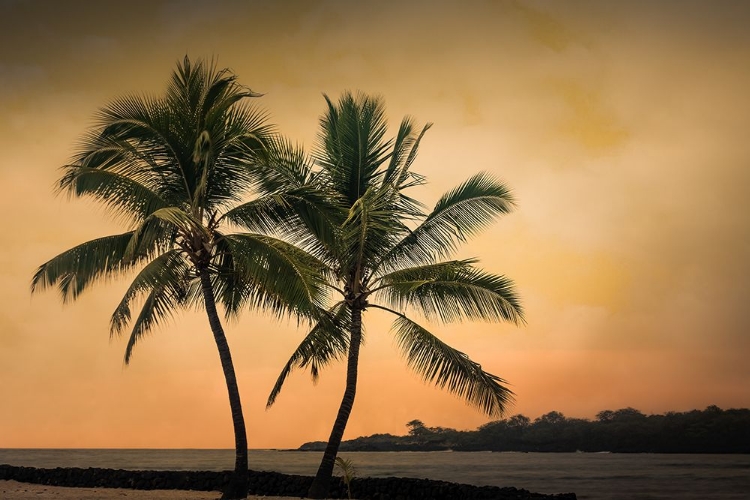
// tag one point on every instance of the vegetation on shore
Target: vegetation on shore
(627, 430)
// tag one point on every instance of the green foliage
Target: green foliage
(379, 249)
(452, 291)
(459, 214)
(450, 369)
(712, 430)
(348, 472)
(177, 170)
(416, 427)
(328, 340)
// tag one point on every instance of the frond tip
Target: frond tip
(459, 214)
(439, 363)
(74, 270)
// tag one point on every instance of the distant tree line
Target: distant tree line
(627, 430)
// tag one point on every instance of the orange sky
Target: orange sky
(622, 127)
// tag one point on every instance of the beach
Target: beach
(13, 490)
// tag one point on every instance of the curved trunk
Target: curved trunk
(322, 481)
(237, 487)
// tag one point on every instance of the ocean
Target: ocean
(595, 476)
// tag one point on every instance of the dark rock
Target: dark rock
(269, 484)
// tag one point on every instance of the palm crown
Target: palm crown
(384, 252)
(177, 169)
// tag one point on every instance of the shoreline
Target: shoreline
(261, 484)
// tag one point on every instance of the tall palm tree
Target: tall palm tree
(176, 170)
(387, 254)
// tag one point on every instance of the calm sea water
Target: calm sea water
(600, 476)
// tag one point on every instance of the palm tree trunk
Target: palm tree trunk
(322, 481)
(238, 484)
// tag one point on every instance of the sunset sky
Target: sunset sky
(623, 129)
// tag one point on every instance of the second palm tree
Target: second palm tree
(386, 253)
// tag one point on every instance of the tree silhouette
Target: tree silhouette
(176, 168)
(375, 260)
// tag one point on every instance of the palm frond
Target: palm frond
(269, 273)
(74, 270)
(401, 145)
(160, 304)
(162, 228)
(195, 143)
(239, 140)
(350, 146)
(327, 341)
(304, 213)
(291, 200)
(451, 291)
(281, 165)
(413, 149)
(166, 270)
(117, 191)
(438, 363)
(164, 219)
(137, 138)
(459, 214)
(267, 214)
(398, 174)
(372, 227)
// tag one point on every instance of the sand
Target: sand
(13, 490)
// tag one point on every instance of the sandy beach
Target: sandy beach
(13, 490)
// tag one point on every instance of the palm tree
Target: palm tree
(387, 254)
(176, 170)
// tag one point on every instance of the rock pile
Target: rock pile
(268, 483)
